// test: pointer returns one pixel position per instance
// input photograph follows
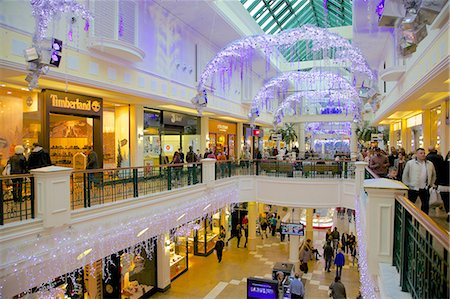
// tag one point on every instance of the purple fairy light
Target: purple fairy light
(380, 8)
(86, 25)
(47, 10)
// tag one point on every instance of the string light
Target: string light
(367, 285)
(325, 101)
(45, 11)
(27, 260)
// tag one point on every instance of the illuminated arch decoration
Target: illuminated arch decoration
(45, 11)
(329, 128)
(324, 101)
(320, 80)
(241, 52)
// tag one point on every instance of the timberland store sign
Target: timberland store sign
(70, 103)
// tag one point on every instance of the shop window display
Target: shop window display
(205, 238)
(69, 135)
(178, 250)
(135, 277)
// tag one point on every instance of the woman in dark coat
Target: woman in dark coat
(18, 164)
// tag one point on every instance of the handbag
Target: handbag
(435, 198)
(303, 267)
(7, 170)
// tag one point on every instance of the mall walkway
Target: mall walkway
(206, 278)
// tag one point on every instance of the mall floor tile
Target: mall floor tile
(206, 278)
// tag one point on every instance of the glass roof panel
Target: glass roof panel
(276, 15)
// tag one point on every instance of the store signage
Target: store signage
(178, 119)
(75, 104)
(276, 137)
(69, 103)
(256, 132)
(376, 137)
(222, 128)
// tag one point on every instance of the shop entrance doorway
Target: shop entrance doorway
(69, 135)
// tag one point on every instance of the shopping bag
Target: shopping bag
(435, 198)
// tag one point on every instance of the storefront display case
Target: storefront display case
(205, 238)
(178, 250)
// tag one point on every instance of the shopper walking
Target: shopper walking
(18, 164)
(339, 262)
(351, 239)
(443, 183)
(92, 163)
(296, 287)
(236, 234)
(419, 174)
(344, 243)
(337, 289)
(379, 163)
(328, 255)
(305, 256)
(264, 228)
(191, 159)
(38, 157)
(219, 248)
(335, 235)
(399, 163)
(273, 225)
(245, 226)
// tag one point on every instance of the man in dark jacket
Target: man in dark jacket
(18, 164)
(38, 157)
(338, 289)
(328, 255)
(191, 159)
(92, 163)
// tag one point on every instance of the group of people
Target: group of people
(419, 171)
(18, 164)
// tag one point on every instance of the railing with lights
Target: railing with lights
(420, 252)
(16, 198)
(99, 186)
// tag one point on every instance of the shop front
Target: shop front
(166, 132)
(72, 123)
(414, 132)
(222, 137)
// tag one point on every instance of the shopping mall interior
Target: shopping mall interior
(137, 135)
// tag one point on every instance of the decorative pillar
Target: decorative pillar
(204, 133)
(359, 176)
(208, 170)
(252, 216)
(426, 130)
(163, 263)
(379, 220)
(405, 141)
(444, 139)
(354, 142)
(301, 140)
(52, 195)
(309, 224)
(137, 135)
(294, 240)
(239, 140)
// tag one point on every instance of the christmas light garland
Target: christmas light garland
(367, 285)
(45, 11)
(316, 82)
(64, 249)
(328, 101)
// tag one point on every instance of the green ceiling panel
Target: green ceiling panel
(276, 15)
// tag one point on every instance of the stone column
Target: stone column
(252, 216)
(444, 136)
(378, 211)
(239, 140)
(163, 263)
(406, 143)
(137, 135)
(294, 240)
(359, 176)
(309, 224)
(301, 140)
(204, 133)
(353, 142)
(426, 130)
(52, 195)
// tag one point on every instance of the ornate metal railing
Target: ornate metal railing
(420, 252)
(292, 169)
(16, 198)
(369, 174)
(99, 186)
